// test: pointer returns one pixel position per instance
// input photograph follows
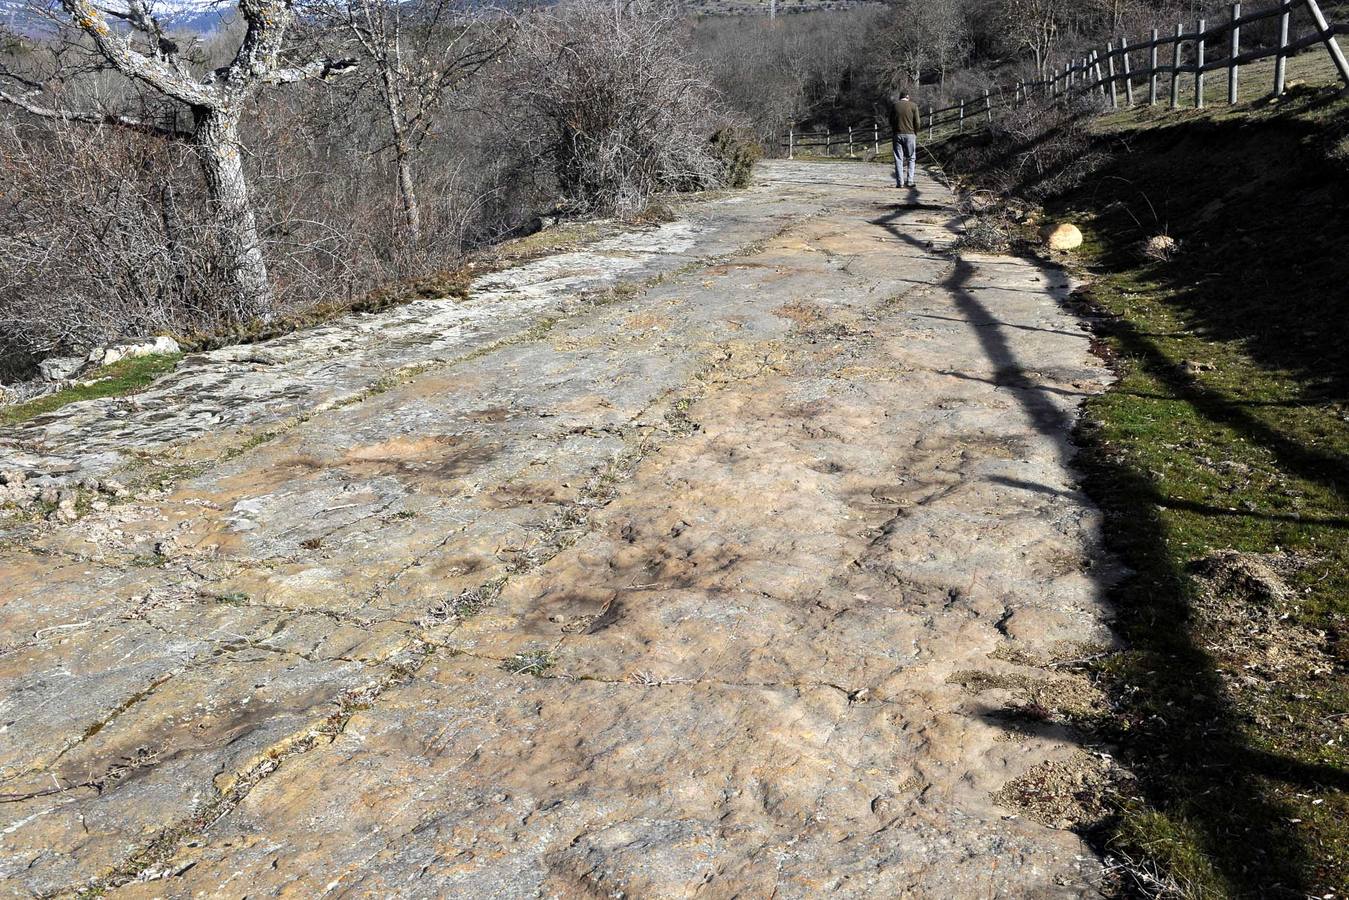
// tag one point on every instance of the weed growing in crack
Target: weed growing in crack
(681, 424)
(534, 662)
(466, 605)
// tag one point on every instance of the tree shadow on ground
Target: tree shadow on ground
(1173, 721)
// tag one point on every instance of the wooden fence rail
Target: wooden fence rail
(1101, 73)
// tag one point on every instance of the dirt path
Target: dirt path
(719, 559)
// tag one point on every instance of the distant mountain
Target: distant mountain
(26, 16)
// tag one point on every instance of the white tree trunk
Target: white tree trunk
(216, 137)
(402, 148)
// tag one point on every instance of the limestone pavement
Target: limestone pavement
(656, 568)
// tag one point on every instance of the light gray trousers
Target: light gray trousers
(906, 158)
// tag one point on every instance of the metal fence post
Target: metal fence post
(1152, 71)
(876, 137)
(988, 107)
(1175, 67)
(1233, 51)
(961, 129)
(791, 142)
(1199, 65)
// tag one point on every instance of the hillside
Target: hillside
(762, 7)
(1221, 459)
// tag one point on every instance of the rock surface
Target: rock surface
(106, 356)
(655, 568)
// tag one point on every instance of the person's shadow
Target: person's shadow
(912, 198)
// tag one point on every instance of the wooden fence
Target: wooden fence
(1108, 71)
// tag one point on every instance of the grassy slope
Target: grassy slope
(1243, 764)
(129, 376)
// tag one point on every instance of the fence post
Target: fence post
(1016, 98)
(988, 108)
(1233, 51)
(930, 121)
(1152, 71)
(1281, 61)
(1199, 65)
(1128, 71)
(850, 153)
(1096, 71)
(1175, 67)
(876, 137)
(1329, 37)
(961, 129)
(791, 142)
(1110, 68)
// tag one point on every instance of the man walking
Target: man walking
(904, 123)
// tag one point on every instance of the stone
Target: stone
(59, 368)
(1160, 247)
(106, 356)
(1062, 237)
(1193, 368)
(520, 595)
(982, 202)
(114, 487)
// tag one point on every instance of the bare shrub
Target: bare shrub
(615, 102)
(1037, 150)
(986, 232)
(736, 151)
(1050, 144)
(105, 236)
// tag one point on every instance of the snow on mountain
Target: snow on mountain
(27, 16)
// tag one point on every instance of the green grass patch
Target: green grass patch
(121, 379)
(1228, 430)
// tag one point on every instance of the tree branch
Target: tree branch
(155, 71)
(319, 68)
(90, 117)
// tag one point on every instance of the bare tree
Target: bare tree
(135, 44)
(918, 37)
(1034, 25)
(415, 55)
(617, 105)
